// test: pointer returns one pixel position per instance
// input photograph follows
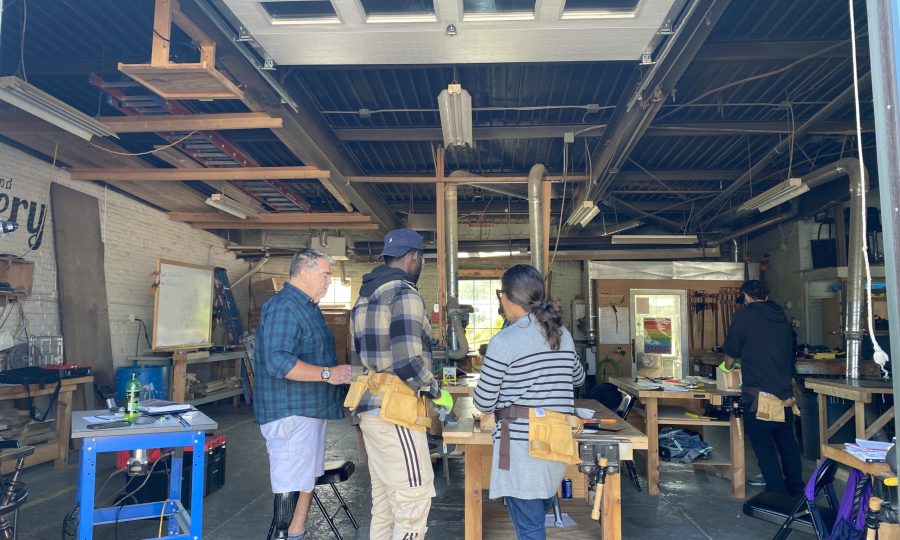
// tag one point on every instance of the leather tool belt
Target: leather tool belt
(551, 434)
(399, 403)
(769, 407)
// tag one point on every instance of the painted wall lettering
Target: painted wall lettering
(29, 215)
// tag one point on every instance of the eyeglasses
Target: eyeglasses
(499, 292)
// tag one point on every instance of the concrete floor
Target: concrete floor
(691, 505)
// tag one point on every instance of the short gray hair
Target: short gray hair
(307, 258)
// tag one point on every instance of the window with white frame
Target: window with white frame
(339, 294)
(486, 321)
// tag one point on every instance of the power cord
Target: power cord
(137, 338)
(70, 521)
(121, 502)
(880, 357)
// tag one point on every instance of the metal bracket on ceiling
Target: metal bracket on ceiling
(243, 35)
(647, 59)
(268, 64)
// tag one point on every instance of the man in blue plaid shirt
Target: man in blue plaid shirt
(392, 334)
(297, 388)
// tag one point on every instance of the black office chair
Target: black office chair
(799, 515)
(622, 411)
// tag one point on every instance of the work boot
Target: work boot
(757, 481)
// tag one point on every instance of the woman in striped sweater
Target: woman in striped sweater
(530, 363)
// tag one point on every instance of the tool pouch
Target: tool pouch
(400, 405)
(552, 435)
(355, 394)
(770, 408)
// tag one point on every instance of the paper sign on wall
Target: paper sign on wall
(657, 335)
(614, 326)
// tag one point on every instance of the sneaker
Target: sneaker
(757, 481)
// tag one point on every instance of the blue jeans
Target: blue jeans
(528, 517)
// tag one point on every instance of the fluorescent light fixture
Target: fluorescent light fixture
(230, 206)
(668, 239)
(487, 254)
(455, 106)
(783, 192)
(583, 214)
(29, 98)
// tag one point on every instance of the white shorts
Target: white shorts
(296, 446)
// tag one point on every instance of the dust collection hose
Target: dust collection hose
(601, 479)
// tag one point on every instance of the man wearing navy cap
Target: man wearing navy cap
(392, 334)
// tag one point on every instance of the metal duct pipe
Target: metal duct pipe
(451, 239)
(853, 332)
(855, 271)
(589, 312)
(457, 346)
(535, 227)
(735, 256)
(790, 214)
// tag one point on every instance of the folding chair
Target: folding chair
(622, 411)
(799, 515)
(335, 473)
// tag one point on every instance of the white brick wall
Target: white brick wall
(134, 236)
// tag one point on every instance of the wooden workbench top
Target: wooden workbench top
(837, 453)
(468, 431)
(645, 388)
(849, 389)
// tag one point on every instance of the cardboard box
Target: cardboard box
(730, 380)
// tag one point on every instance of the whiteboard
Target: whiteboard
(182, 308)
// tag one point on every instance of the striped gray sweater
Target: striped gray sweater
(520, 369)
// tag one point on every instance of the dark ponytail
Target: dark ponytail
(524, 286)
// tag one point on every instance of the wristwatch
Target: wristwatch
(326, 374)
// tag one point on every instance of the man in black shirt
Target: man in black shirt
(762, 338)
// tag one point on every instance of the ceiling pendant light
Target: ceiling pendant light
(455, 106)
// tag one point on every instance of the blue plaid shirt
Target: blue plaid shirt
(291, 328)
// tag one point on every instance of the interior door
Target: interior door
(659, 327)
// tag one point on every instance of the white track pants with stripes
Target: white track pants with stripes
(402, 479)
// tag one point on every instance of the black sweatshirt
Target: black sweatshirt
(762, 338)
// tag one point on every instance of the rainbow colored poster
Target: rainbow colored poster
(657, 336)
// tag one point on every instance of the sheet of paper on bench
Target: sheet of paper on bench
(160, 406)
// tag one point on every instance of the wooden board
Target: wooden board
(81, 278)
(183, 81)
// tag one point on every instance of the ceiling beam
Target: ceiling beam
(635, 111)
(243, 225)
(283, 218)
(718, 202)
(304, 132)
(699, 129)
(456, 179)
(204, 175)
(743, 51)
(198, 122)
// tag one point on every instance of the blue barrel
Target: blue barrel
(148, 375)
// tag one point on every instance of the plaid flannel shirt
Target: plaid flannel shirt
(291, 328)
(392, 333)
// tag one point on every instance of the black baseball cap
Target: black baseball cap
(398, 242)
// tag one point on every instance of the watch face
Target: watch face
(326, 374)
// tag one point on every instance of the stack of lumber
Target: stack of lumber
(195, 388)
(15, 424)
